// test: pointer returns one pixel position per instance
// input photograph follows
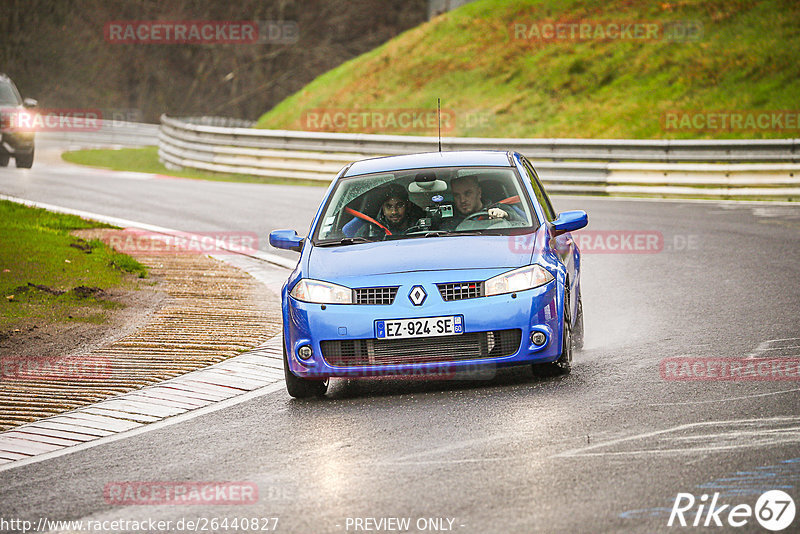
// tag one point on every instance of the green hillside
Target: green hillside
(499, 75)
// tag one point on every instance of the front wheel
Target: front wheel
(563, 365)
(24, 161)
(302, 388)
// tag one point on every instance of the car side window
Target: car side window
(538, 190)
(8, 95)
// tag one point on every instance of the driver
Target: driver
(395, 209)
(467, 198)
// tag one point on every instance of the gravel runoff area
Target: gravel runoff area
(211, 311)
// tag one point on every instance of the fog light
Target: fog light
(538, 338)
(304, 352)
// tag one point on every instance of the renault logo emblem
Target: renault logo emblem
(417, 295)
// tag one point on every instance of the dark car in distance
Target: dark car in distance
(14, 142)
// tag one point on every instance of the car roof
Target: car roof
(464, 158)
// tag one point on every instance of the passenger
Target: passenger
(397, 214)
(468, 199)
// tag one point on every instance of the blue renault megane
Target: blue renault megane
(431, 264)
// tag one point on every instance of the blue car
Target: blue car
(431, 265)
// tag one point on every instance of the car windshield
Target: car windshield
(9, 95)
(430, 202)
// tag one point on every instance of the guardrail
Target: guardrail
(696, 168)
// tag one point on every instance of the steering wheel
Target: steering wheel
(501, 204)
(417, 228)
(477, 216)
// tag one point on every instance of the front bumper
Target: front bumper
(316, 326)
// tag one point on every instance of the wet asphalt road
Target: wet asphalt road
(607, 448)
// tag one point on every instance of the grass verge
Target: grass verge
(48, 275)
(146, 160)
(498, 76)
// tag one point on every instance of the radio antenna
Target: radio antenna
(439, 115)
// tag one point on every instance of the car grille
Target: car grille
(375, 295)
(460, 290)
(474, 345)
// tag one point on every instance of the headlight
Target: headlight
(23, 122)
(518, 280)
(321, 292)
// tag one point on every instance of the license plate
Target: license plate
(448, 325)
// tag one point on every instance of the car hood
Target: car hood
(421, 254)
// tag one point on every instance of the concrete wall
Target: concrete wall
(436, 7)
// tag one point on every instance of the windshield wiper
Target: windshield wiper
(443, 233)
(345, 241)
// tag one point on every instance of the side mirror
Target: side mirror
(30, 102)
(568, 221)
(286, 239)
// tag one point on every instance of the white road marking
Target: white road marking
(704, 442)
(783, 344)
(727, 440)
(727, 399)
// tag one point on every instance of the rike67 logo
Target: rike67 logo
(774, 510)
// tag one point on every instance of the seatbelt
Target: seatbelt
(367, 218)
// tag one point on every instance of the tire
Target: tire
(4, 158)
(24, 161)
(577, 332)
(563, 365)
(302, 388)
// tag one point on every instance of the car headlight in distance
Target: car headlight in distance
(520, 279)
(320, 292)
(22, 122)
